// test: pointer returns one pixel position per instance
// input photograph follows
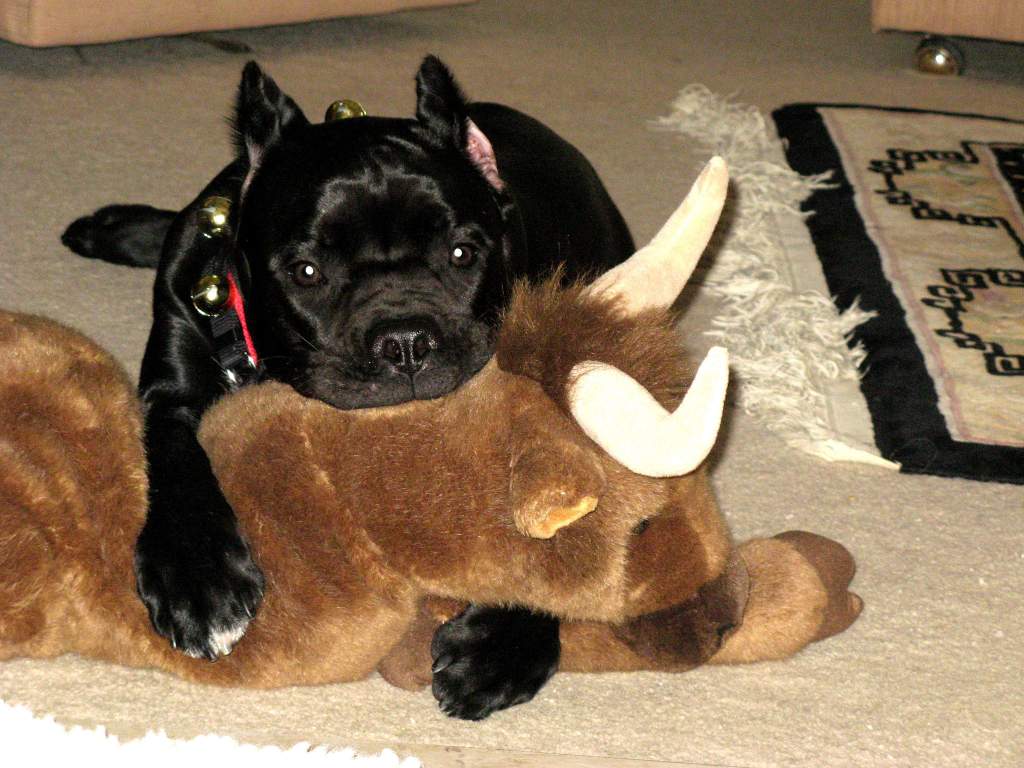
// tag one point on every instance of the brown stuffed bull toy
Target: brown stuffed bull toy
(567, 476)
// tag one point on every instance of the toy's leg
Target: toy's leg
(774, 597)
(27, 503)
(798, 594)
(672, 640)
(25, 561)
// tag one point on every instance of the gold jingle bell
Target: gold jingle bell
(343, 110)
(213, 215)
(937, 55)
(210, 295)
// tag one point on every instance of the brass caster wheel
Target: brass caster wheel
(939, 56)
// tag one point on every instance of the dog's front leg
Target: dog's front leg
(488, 659)
(193, 569)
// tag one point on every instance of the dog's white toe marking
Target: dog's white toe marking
(223, 640)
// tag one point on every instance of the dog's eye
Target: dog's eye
(462, 255)
(306, 274)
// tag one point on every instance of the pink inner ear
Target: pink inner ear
(481, 153)
(255, 155)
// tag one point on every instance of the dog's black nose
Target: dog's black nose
(405, 345)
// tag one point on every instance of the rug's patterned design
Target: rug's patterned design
(959, 287)
(962, 286)
(926, 227)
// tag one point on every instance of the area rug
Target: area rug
(922, 225)
(795, 367)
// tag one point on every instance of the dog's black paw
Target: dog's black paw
(200, 594)
(487, 659)
(121, 234)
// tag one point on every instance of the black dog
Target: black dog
(378, 256)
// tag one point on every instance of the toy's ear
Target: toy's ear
(611, 407)
(441, 108)
(544, 522)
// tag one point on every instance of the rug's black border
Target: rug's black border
(900, 393)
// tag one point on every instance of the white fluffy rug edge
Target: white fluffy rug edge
(29, 740)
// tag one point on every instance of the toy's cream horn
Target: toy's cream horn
(611, 407)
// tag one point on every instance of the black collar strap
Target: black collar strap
(217, 295)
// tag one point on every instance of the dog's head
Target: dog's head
(377, 247)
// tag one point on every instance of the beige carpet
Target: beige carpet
(926, 677)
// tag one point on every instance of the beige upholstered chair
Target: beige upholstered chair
(63, 22)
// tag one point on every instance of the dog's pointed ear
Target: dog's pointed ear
(263, 113)
(440, 103)
(441, 108)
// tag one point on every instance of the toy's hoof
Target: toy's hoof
(409, 665)
(685, 636)
(836, 568)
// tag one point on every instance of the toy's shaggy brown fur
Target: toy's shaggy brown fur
(374, 526)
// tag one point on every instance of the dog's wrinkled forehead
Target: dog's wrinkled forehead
(289, 164)
(371, 177)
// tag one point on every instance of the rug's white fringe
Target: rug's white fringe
(28, 740)
(781, 341)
